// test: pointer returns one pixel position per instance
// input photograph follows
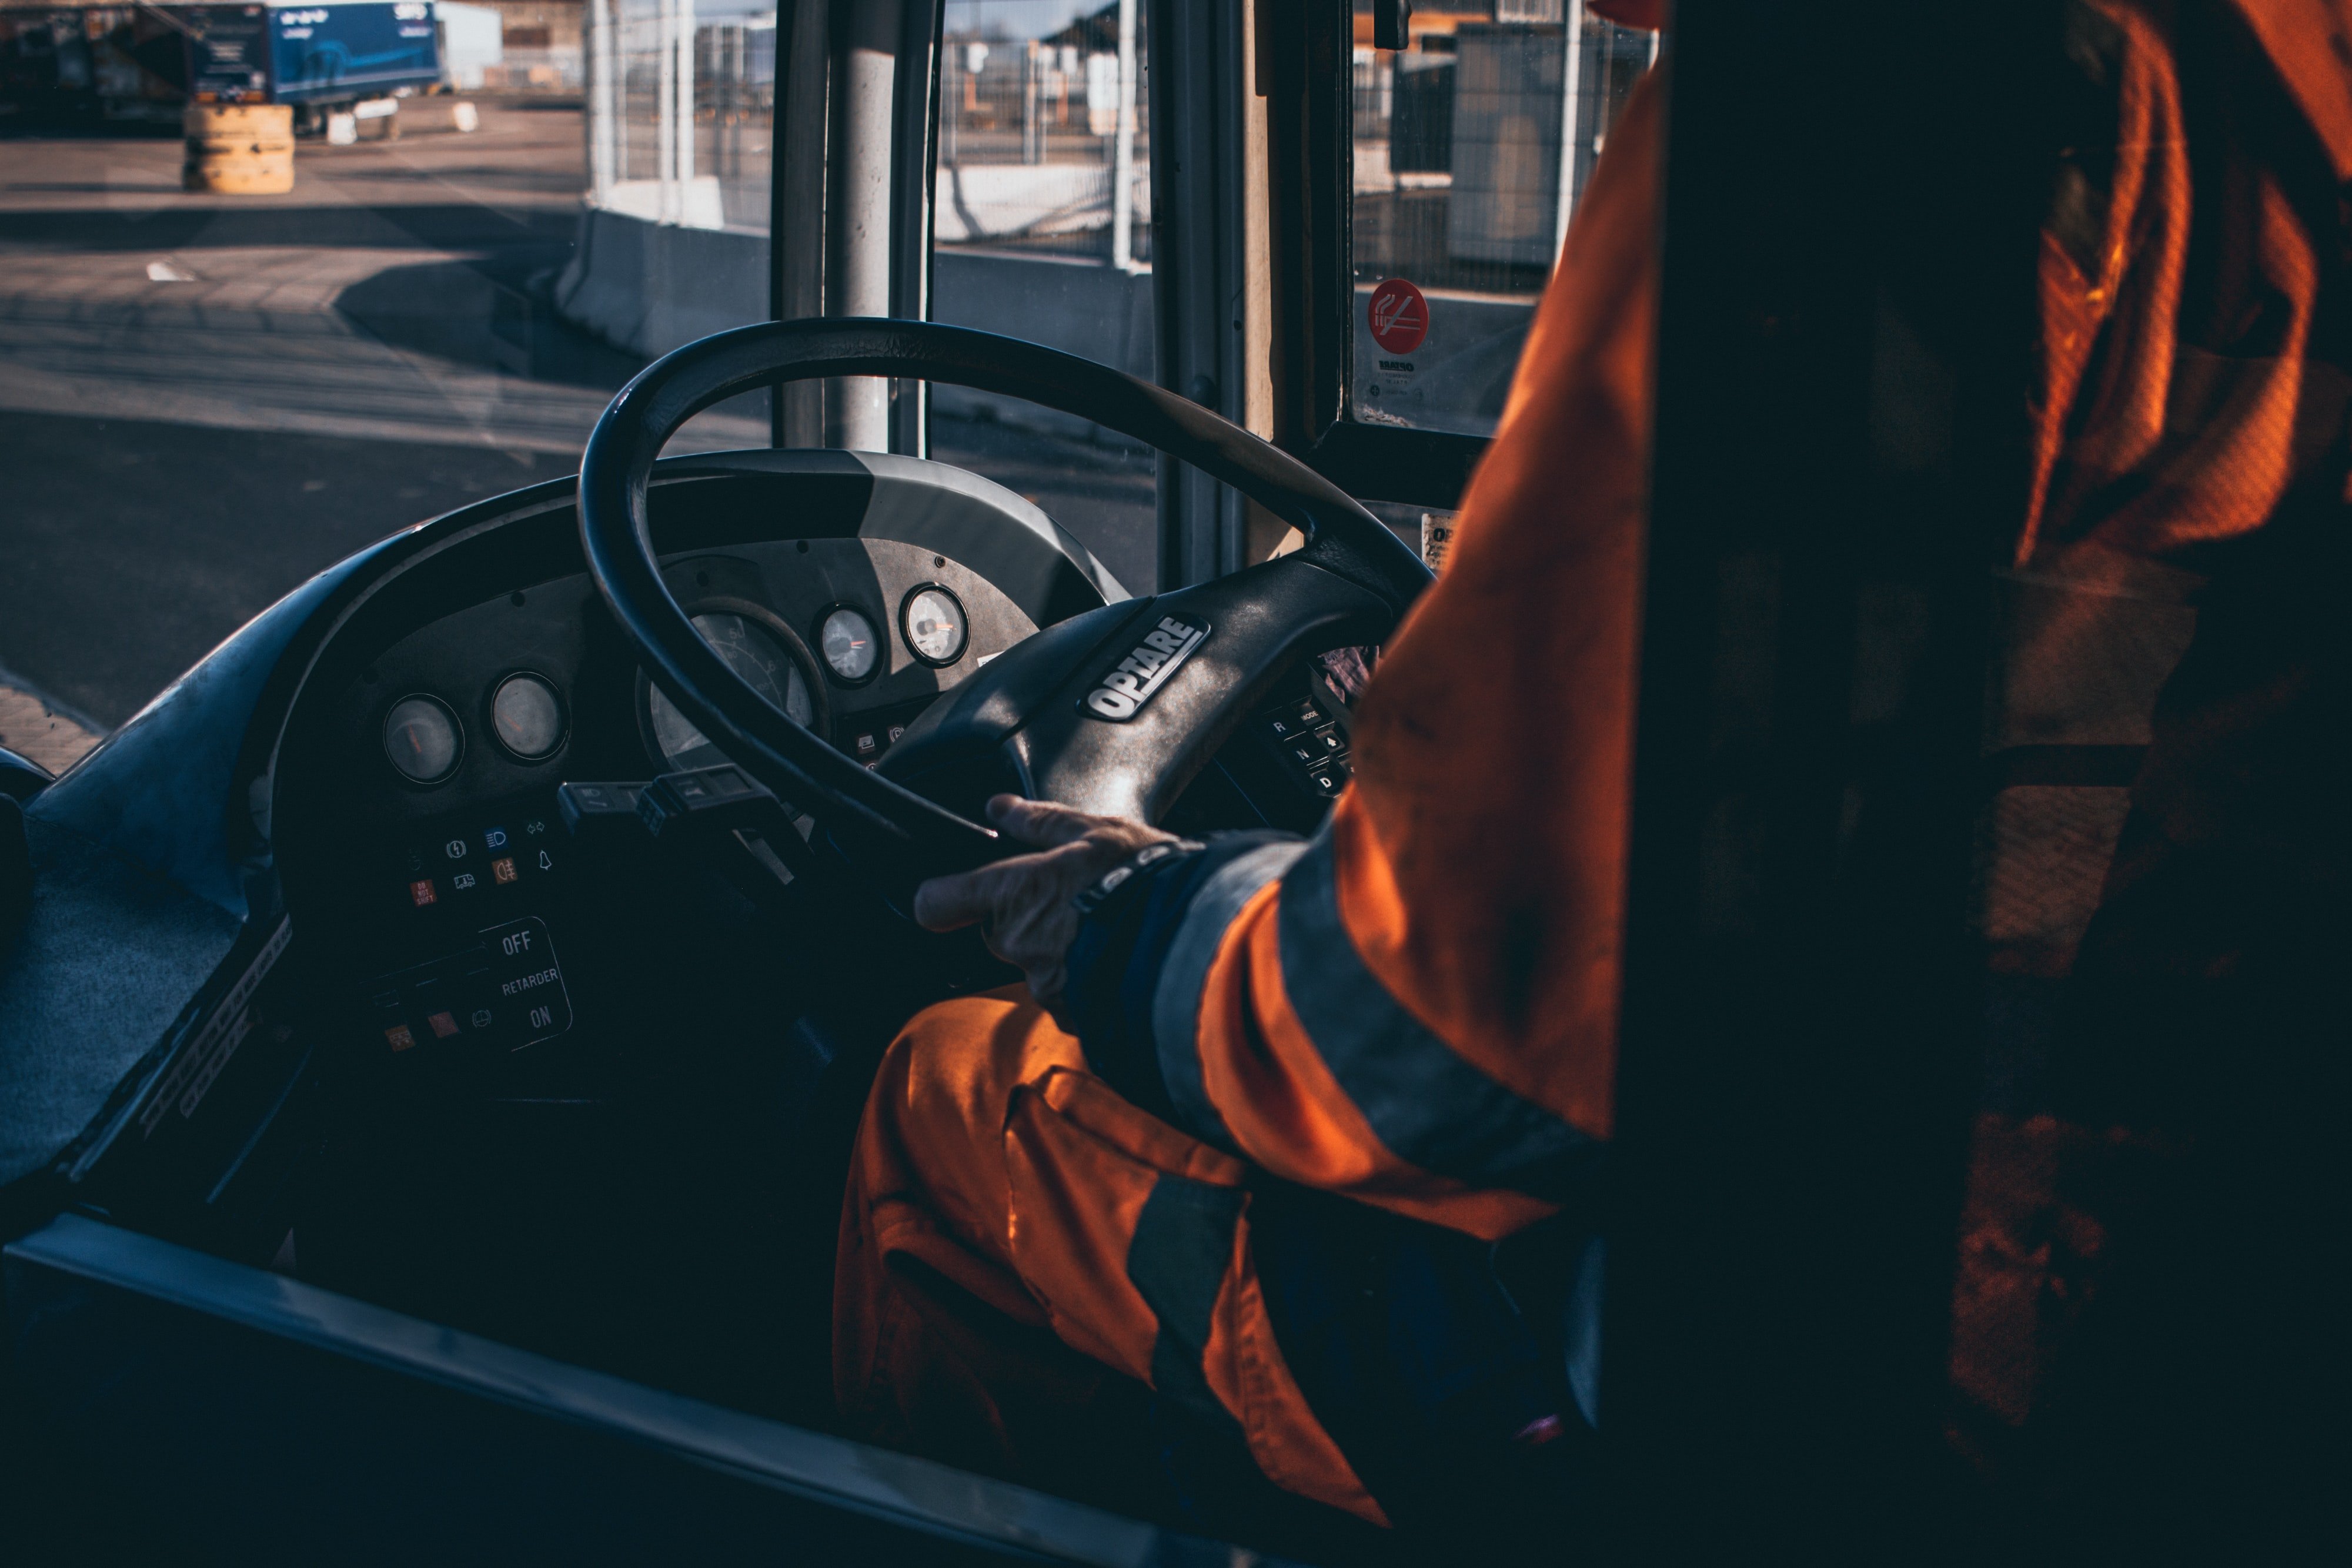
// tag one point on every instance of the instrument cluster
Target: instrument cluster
(424, 740)
(839, 673)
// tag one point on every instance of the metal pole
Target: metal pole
(603, 141)
(1032, 147)
(684, 102)
(950, 100)
(798, 212)
(1122, 163)
(1571, 154)
(861, 287)
(665, 107)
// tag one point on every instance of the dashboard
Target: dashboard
(455, 738)
(466, 929)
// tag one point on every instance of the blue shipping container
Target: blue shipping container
(331, 53)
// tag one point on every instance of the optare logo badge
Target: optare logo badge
(1129, 683)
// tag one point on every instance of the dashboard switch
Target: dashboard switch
(724, 815)
(598, 811)
(708, 797)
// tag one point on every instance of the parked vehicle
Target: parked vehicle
(147, 62)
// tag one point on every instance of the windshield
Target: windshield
(398, 263)
(1043, 231)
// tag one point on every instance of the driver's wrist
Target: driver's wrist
(1111, 972)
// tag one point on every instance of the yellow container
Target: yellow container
(239, 176)
(200, 146)
(239, 150)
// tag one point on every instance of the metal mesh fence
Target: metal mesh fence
(1044, 142)
(681, 133)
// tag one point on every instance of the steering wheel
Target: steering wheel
(1113, 710)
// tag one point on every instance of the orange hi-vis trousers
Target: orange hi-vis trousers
(991, 1159)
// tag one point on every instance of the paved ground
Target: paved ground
(36, 729)
(204, 400)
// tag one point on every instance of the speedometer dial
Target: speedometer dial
(850, 645)
(421, 738)
(752, 652)
(933, 622)
(527, 716)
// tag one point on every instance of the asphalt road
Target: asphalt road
(205, 399)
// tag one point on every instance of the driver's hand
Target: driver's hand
(1023, 904)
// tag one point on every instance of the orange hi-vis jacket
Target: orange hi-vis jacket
(1416, 1008)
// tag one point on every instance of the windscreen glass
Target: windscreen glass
(1470, 150)
(1043, 231)
(281, 280)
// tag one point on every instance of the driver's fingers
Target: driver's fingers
(1040, 822)
(990, 893)
(952, 902)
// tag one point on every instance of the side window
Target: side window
(678, 99)
(1471, 146)
(1043, 231)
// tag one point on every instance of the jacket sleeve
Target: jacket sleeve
(1417, 1007)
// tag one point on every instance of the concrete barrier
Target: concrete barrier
(650, 287)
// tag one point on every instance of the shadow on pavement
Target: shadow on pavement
(452, 225)
(86, 127)
(461, 311)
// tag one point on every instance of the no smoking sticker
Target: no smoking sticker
(1396, 323)
(1399, 316)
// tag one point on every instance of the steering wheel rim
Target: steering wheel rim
(615, 529)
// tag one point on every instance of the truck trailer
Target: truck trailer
(148, 62)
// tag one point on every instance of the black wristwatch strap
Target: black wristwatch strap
(1091, 899)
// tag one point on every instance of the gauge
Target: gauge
(527, 716)
(850, 645)
(932, 619)
(752, 652)
(421, 738)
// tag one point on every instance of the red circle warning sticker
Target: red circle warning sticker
(1399, 315)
